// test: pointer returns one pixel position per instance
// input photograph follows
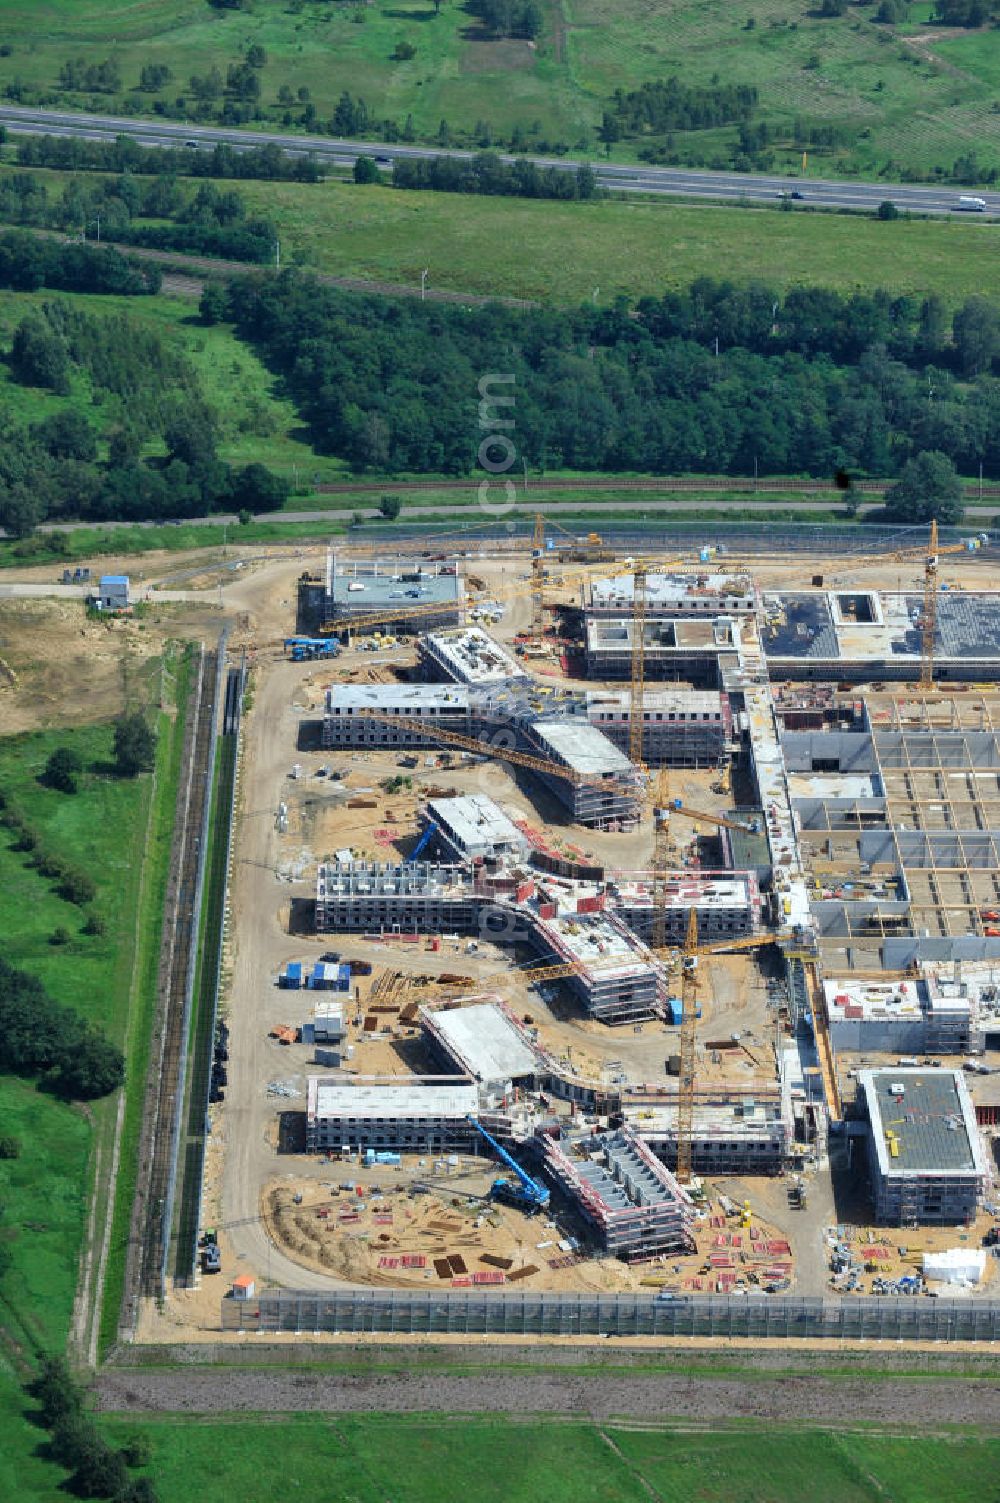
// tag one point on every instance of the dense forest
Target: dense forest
(154, 455)
(207, 220)
(715, 379)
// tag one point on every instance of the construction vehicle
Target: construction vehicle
(211, 1257)
(526, 1194)
(304, 649)
(589, 550)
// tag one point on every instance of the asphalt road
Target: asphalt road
(725, 186)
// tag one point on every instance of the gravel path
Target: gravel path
(647, 1398)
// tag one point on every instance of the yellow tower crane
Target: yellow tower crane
(538, 580)
(928, 624)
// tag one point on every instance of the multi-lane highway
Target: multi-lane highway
(729, 187)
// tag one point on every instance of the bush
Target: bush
(10, 1147)
(390, 507)
(135, 746)
(95, 925)
(56, 1390)
(366, 170)
(60, 936)
(887, 210)
(62, 768)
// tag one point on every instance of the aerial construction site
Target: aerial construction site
(606, 925)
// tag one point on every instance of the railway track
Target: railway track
(154, 1196)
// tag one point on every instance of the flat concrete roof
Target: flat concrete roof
(706, 590)
(656, 701)
(382, 585)
(933, 1120)
(484, 1041)
(581, 746)
(474, 820)
(377, 1097)
(410, 697)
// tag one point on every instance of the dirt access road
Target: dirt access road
(893, 1402)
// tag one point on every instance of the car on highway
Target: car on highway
(792, 193)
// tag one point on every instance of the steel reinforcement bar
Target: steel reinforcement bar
(424, 1313)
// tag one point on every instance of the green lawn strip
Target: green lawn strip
(44, 1196)
(74, 543)
(420, 1458)
(200, 1041)
(369, 1459)
(826, 1467)
(153, 859)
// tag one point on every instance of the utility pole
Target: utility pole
(277, 255)
(423, 283)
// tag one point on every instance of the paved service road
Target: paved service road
(615, 177)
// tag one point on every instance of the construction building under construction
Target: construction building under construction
(475, 828)
(733, 1132)
(680, 727)
(632, 1204)
(925, 1155)
(468, 656)
(599, 786)
(486, 1042)
(412, 1114)
(871, 845)
(356, 589)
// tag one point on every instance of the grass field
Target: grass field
(562, 252)
(906, 98)
(417, 1459)
(512, 247)
(45, 1192)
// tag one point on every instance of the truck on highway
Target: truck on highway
(972, 204)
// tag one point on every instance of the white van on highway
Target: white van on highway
(975, 205)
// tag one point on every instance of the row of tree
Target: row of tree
(28, 263)
(97, 1469)
(802, 384)
(74, 154)
(209, 221)
(484, 173)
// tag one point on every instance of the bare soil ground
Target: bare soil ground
(654, 1397)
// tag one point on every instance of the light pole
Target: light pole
(423, 283)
